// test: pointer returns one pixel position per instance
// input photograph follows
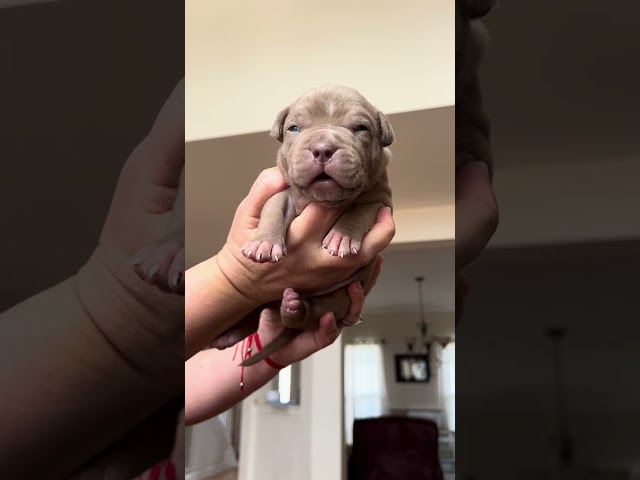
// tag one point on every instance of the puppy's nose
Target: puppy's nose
(322, 152)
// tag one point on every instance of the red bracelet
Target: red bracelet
(269, 362)
(244, 355)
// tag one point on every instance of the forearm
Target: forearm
(212, 305)
(212, 383)
(69, 389)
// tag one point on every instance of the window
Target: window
(284, 384)
(449, 385)
(364, 384)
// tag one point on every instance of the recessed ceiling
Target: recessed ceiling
(396, 291)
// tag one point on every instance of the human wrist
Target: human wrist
(279, 359)
(269, 360)
(245, 276)
(214, 304)
(144, 325)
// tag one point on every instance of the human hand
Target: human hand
(476, 221)
(307, 265)
(328, 330)
(148, 184)
(145, 325)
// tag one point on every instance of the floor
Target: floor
(228, 475)
(233, 475)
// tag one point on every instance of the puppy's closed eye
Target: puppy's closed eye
(360, 128)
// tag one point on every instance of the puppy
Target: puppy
(333, 153)
(472, 123)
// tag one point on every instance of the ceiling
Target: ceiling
(220, 172)
(559, 77)
(396, 290)
(244, 61)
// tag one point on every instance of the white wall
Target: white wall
(504, 363)
(247, 60)
(275, 442)
(298, 442)
(326, 432)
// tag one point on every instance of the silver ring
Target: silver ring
(357, 322)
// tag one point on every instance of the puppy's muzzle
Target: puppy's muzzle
(323, 151)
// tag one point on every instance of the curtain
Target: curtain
(448, 385)
(365, 388)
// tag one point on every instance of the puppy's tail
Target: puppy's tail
(287, 335)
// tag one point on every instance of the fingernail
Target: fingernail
(275, 257)
(341, 254)
(354, 250)
(332, 252)
(259, 256)
(248, 253)
(325, 245)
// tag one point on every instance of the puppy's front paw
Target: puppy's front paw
(264, 250)
(341, 244)
(162, 263)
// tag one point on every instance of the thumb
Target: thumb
(380, 235)
(268, 183)
(315, 221)
(161, 153)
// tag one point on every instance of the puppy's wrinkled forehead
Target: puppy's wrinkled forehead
(331, 106)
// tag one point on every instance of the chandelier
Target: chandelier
(422, 343)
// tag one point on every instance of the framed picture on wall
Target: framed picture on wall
(412, 368)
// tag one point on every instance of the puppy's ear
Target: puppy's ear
(478, 8)
(385, 130)
(277, 131)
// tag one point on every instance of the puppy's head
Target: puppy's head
(333, 144)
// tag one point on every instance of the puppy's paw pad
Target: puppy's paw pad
(341, 245)
(332, 243)
(162, 265)
(327, 239)
(348, 246)
(262, 251)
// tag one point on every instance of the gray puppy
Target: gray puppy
(334, 153)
